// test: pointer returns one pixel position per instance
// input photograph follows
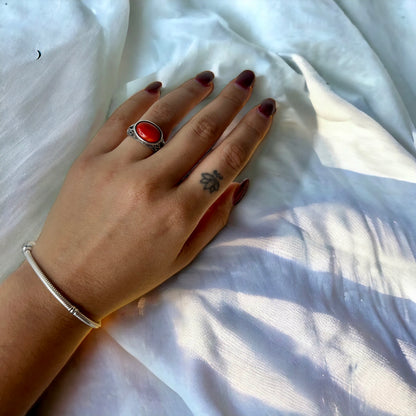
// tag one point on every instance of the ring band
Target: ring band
(147, 133)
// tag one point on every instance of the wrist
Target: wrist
(72, 283)
(37, 337)
(67, 304)
(39, 303)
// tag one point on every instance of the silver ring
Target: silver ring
(147, 133)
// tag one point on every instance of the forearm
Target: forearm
(37, 337)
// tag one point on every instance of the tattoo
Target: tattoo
(211, 181)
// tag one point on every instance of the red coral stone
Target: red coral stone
(148, 132)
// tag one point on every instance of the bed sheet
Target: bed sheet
(305, 303)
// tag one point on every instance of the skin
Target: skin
(124, 222)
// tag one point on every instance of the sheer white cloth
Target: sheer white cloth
(305, 303)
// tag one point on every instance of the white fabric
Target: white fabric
(305, 303)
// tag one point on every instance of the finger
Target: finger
(168, 112)
(114, 130)
(212, 222)
(203, 130)
(215, 172)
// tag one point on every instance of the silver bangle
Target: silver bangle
(72, 309)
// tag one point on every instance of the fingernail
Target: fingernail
(245, 79)
(267, 107)
(240, 191)
(205, 78)
(154, 87)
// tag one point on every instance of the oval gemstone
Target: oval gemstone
(148, 132)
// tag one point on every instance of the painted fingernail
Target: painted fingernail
(205, 78)
(245, 79)
(240, 191)
(154, 87)
(267, 107)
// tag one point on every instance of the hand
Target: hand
(126, 219)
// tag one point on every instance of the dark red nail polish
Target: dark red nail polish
(154, 87)
(240, 191)
(245, 79)
(205, 78)
(267, 107)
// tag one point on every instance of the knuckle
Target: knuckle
(82, 166)
(253, 129)
(93, 170)
(205, 128)
(235, 156)
(179, 215)
(130, 195)
(162, 111)
(192, 89)
(178, 218)
(118, 117)
(232, 99)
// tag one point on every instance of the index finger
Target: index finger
(113, 131)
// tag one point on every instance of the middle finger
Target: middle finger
(197, 137)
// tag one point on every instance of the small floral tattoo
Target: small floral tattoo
(211, 181)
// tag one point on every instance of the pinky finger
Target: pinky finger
(213, 221)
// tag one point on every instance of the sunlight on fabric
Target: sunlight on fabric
(240, 365)
(338, 352)
(362, 151)
(340, 241)
(350, 139)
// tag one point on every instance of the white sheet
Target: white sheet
(305, 303)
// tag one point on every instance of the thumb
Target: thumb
(213, 221)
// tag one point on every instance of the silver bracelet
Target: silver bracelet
(27, 251)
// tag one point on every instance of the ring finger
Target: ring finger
(167, 112)
(215, 172)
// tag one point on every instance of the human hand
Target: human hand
(126, 218)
